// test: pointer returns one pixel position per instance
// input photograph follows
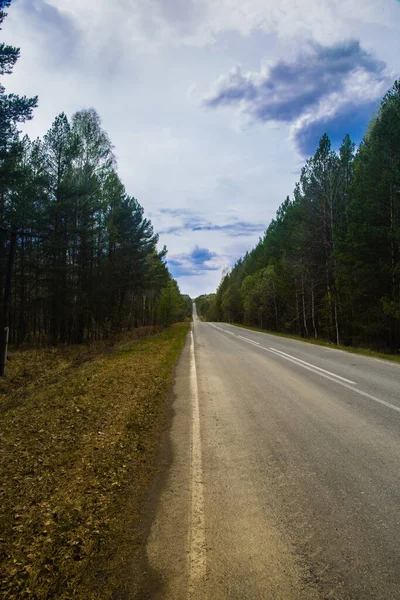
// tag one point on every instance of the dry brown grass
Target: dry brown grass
(79, 437)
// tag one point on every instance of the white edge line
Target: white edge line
(248, 340)
(197, 545)
(314, 366)
(349, 387)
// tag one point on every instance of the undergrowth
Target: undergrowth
(79, 436)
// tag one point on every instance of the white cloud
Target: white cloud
(149, 25)
(310, 92)
(143, 64)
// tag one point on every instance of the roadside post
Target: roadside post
(3, 352)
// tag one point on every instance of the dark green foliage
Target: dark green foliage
(86, 260)
(188, 306)
(329, 263)
(78, 258)
(205, 306)
(8, 54)
(13, 109)
(371, 250)
(170, 305)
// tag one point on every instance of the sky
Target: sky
(212, 105)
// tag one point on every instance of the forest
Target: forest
(328, 266)
(78, 258)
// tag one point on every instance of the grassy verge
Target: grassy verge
(351, 349)
(79, 440)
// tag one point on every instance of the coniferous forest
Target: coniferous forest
(328, 265)
(78, 258)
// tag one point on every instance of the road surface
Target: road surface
(283, 481)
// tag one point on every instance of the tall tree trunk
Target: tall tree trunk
(313, 311)
(394, 324)
(144, 309)
(276, 313)
(5, 317)
(21, 325)
(298, 312)
(304, 308)
(336, 323)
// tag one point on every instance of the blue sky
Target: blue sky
(212, 105)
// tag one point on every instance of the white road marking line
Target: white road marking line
(314, 366)
(248, 340)
(225, 331)
(335, 378)
(331, 376)
(371, 397)
(197, 537)
(349, 387)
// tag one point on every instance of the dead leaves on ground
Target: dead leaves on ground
(78, 440)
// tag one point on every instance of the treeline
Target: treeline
(78, 259)
(207, 307)
(328, 265)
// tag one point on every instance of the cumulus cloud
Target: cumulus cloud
(49, 27)
(324, 88)
(144, 65)
(193, 263)
(151, 24)
(236, 229)
(201, 256)
(190, 221)
(318, 20)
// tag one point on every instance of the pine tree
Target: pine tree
(13, 110)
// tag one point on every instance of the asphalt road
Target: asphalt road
(283, 481)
